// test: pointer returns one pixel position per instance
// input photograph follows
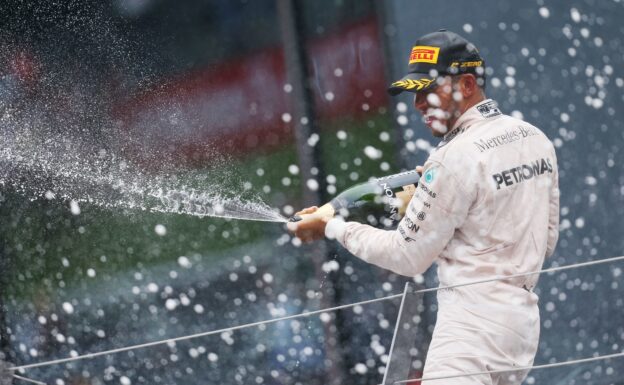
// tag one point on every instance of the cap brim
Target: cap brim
(413, 82)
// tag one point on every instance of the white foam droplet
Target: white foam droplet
(171, 304)
(313, 140)
(330, 266)
(433, 100)
(360, 368)
(575, 14)
(372, 152)
(184, 262)
(74, 207)
(517, 114)
(68, 307)
(267, 277)
(564, 117)
(510, 81)
(312, 184)
(160, 230)
(597, 103)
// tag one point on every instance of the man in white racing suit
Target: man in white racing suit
(487, 205)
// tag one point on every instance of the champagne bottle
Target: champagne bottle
(378, 201)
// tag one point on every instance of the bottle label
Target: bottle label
(390, 196)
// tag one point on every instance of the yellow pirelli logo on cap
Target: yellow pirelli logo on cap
(424, 54)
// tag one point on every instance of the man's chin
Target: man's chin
(436, 133)
(437, 129)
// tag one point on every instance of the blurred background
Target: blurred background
(110, 108)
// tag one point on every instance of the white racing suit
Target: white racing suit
(487, 205)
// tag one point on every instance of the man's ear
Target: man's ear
(468, 85)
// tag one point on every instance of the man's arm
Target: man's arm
(553, 215)
(438, 207)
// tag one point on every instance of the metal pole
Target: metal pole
(5, 343)
(301, 98)
(387, 32)
(309, 159)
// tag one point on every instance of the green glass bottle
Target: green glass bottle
(378, 202)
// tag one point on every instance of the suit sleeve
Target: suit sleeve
(553, 215)
(439, 205)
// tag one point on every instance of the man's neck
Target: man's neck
(464, 106)
(472, 101)
(468, 104)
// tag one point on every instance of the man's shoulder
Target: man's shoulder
(486, 139)
(452, 150)
(490, 135)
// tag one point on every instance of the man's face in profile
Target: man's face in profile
(439, 106)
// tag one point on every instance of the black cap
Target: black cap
(437, 54)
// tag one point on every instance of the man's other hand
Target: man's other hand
(311, 227)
